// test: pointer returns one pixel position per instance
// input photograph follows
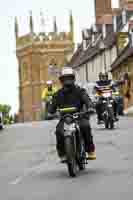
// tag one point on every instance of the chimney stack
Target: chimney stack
(124, 17)
(85, 37)
(104, 31)
(115, 23)
(94, 31)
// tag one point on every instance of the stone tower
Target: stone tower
(36, 53)
(102, 7)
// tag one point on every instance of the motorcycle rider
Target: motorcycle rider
(49, 90)
(113, 86)
(47, 94)
(71, 95)
(99, 83)
(104, 81)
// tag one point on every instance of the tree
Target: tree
(5, 109)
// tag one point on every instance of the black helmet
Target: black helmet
(101, 75)
(106, 75)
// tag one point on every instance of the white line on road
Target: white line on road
(34, 169)
(26, 173)
(17, 181)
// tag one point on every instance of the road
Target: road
(30, 168)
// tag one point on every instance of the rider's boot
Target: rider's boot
(116, 117)
(91, 155)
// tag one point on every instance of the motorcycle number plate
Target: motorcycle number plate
(107, 94)
(109, 105)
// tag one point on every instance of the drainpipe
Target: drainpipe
(124, 17)
(86, 70)
(115, 23)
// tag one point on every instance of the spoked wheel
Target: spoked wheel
(111, 122)
(111, 119)
(81, 161)
(71, 158)
(72, 168)
(106, 124)
(106, 121)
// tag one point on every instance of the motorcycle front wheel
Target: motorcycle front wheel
(111, 119)
(70, 155)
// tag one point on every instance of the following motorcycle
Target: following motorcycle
(108, 108)
(47, 104)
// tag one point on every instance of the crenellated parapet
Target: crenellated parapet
(43, 37)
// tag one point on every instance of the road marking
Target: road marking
(16, 181)
(29, 171)
(26, 173)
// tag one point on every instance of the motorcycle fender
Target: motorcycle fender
(67, 133)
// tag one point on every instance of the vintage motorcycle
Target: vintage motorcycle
(73, 141)
(108, 108)
(47, 104)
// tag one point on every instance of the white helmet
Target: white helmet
(67, 77)
(67, 71)
(49, 82)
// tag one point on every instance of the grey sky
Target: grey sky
(83, 12)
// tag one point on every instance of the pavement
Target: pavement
(30, 168)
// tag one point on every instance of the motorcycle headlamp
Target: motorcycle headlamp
(68, 120)
(104, 101)
(111, 101)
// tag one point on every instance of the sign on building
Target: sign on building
(122, 40)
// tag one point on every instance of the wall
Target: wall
(97, 65)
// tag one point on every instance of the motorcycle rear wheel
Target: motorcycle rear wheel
(111, 124)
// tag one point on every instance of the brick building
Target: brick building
(103, 11)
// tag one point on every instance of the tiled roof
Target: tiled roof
(82, 56)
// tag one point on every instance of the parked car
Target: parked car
(1, 121)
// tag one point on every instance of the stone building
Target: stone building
(123, 65)
(40, 57)
(96, 53)
(99, 47)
